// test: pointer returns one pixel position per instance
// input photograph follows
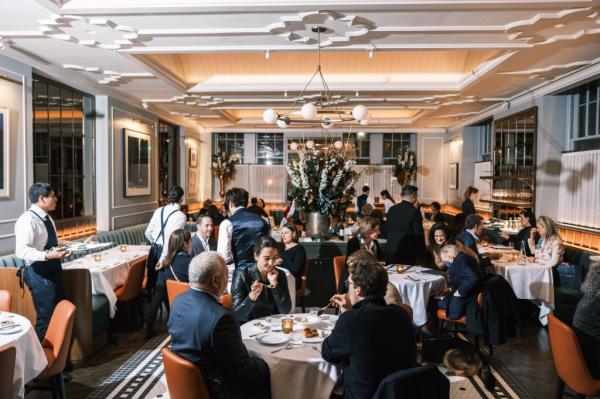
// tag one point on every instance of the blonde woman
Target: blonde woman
(549, 249)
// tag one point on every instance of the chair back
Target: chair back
(408, 309)
(304, 279)
(338, 267)
(227, 301)
(57, 341)
(184, 379)
(133, 284)
(568, 359)
(175, 288)
(7, 368)
(5, 301)
(417, 382)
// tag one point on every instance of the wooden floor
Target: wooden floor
(528, 357)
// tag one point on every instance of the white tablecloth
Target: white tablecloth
(30, 360)
(417, 293)
(111, 271)
(298, 373)
(531, 281)
(291, 282)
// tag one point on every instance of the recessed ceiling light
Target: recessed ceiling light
(91, 32)
(559, 26)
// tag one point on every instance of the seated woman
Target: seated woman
(261, 290)
(586, 321)
(436, 213)
(174, 267)
(438, 237)
(527, 221)
(294, 255)
(549, 249)
(463, 282)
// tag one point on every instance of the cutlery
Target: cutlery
(289, 345)
(320, 311)
(389, 267)
(255, 334)
(316, 348)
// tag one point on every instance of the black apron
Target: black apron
(52, 268)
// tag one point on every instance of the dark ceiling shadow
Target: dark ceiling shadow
(551, 167)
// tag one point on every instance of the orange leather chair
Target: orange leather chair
(227, 302)
(132, 288)
(175, 288)
(56, 345)
(7, 368)
(569, 362)
(338, 267)
(300, 291)
(184, 379)
(5, 301)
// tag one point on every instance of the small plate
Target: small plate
(12, 330)
(315, 340)
(261, 325)
(272, 338)
(307, 320)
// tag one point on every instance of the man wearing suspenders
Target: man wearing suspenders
(164, 221)
(37, 244)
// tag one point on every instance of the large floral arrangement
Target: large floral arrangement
(223, 165)
(405, 169)
(322, 181)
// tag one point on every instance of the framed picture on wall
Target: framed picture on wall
(193, 157)
(136, 163)
(4, 153)
(453, 182)
(192, 182)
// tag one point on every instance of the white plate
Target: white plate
(11, 330)
(315, 340)
(272, 338)
(307, 320)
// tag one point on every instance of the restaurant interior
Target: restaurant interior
(326, 115)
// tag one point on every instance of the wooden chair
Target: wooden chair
(184, 379)
(7, 368)
(569, 362)
(338, 267)
(300, 292)
(175, 288)
(132, 288)
(56, 345)
(5, 301)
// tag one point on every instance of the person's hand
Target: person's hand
(442, 293)
(342, 302)
(505, 235)
(533, 233)
(255, 290)
(59, 253)
(158, 266)
(272, 276)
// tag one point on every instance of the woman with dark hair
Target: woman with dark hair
(438, 238)
(174, 267)
(294, 255)
(471, 196)
(260, 289)
(527, 221)
(214, 214)
(388, 201)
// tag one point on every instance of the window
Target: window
(585, 124)
(483, 131)
(269, 148)
(361, 144)
(63, 146)
(393, 143)
(230, 143)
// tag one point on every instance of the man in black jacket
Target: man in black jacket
(404, 227)
(371, 339)
(206, 334)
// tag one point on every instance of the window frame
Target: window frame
(277, 140)
(409, 137)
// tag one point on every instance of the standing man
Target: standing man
(203, 239)
(238, 233)
(362, 200)
(404, 227)
(165, 220)
(37, 244)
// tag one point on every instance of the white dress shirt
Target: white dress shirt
(203, 241)
(31, 235)
(176, 221)
(224, 241)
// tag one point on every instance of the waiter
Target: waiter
(37, 244)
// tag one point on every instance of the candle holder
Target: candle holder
(97, 257)
(287, 325)
(123, 248)
(400, 268)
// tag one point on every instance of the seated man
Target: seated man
(206, 334)
(474, 230)
(371, 339)
(261, 289)
(464, 282)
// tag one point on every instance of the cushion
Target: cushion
(100, 314)
(11, 261)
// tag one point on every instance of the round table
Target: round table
(30, 359)
(415, 288)
(299, 372)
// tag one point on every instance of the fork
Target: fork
(289, 345)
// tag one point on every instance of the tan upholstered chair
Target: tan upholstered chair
(338, 267)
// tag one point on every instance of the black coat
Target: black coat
(206, 334)
(372, 340)
(421, 382)
(522, 237)
(179, 265)
(464, 280)
(468, 207)
(294, 260)
(404, 227)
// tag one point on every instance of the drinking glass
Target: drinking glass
(123, 248)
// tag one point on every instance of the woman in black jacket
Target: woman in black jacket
(471, 196)
(294, 254)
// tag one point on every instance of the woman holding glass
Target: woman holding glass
(549, 248)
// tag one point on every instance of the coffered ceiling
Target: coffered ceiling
(427, 63)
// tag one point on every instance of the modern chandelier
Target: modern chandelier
(324, 110)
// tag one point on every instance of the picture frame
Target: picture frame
(192, 182)
(193, 160)
(136, 163)
(453, 176)
(4, 153)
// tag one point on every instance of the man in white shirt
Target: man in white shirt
(38, 245)
(203, 239)
(165, 220)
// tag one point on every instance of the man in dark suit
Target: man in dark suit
(371, 339)
(206, 334)
(362, 200)
(474, 230)
(464, 280)
(404, 227)
(203, 239)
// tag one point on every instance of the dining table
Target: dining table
(109, 269)
(16, 331)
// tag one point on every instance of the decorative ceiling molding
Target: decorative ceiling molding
(110, 77)
(552, 71)
(84, 31)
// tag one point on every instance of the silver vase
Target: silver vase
(317, 225)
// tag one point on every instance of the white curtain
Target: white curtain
(389, 182)
(268, 182)
(579, 197)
